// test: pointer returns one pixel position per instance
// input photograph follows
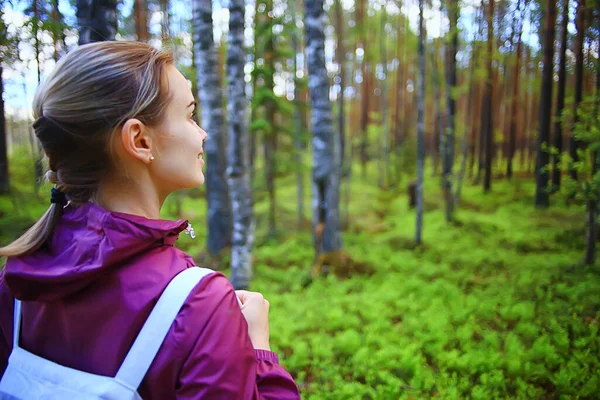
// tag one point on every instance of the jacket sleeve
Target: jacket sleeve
(222, 363)
(7, 305)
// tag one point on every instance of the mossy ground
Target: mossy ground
(495, 305)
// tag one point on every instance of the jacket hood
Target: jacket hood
(87, 242)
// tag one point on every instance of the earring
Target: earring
(151, 158)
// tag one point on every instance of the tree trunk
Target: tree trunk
(468, 116)
(237, 172)
(364, 92)
(523, 139)
(514, 107)
(384, 175)
(37, 46)
(341, 58)
(439, 135)
(254, 108)
(400, 92)
(97, 20)
(211, 97)
(141, 20)
(541, 193)
(165, 23)
(475, 121)
(477, 141)
(488, 124)
(420, 127)
(56, 29)
(364, 119)
(560, 99)
(580, 27)
(592, 203)
(4, 176)
(270, 137)
(447, 178)
(297, 121)
(326, 171)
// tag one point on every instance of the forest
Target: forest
(413, 184)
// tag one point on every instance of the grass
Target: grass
(495, 305)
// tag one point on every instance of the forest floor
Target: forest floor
(495, 305)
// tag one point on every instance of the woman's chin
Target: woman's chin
(194, 183)
(200, 180)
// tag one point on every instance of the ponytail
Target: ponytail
(35, 236)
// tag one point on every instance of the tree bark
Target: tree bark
(297, 121)
(560, 99)
(542, 198)
(211, 97)
(270, 135)
(468, 117)
(580, 27)
(449, 139)
(141, 20)
(364, 92)
(341, 57)
(592, 203)
(326, 171)
(488, 124)
(237, 172)
(56, 29)
(528, 99)
(4, 176)
(38, 165)
(400, 93)
(384, 160)
(477, 140)
(439, 131)
(512, 136)
(97, 20)
(420, 127)
(165, 23)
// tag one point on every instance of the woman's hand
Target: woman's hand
(256, 311)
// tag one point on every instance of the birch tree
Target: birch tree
(326, 165)
(238, 171)
(213, 122)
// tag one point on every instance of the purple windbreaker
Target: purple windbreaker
(88, 291)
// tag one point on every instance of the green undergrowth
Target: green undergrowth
(494, 305)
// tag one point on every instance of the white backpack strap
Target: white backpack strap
(148, 342)
(17, 324)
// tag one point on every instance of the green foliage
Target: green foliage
(587, 131)
(492, 306)
(485, 310)
(9, 51)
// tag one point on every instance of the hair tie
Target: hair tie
(58, 197)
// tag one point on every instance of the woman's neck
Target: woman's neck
(130, 198)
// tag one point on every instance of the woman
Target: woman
(115, 120)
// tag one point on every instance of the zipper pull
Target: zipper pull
(190, 231)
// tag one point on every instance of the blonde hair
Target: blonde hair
(91, 92)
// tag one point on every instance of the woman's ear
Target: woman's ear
(136, 140)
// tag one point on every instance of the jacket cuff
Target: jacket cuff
(266, 355)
